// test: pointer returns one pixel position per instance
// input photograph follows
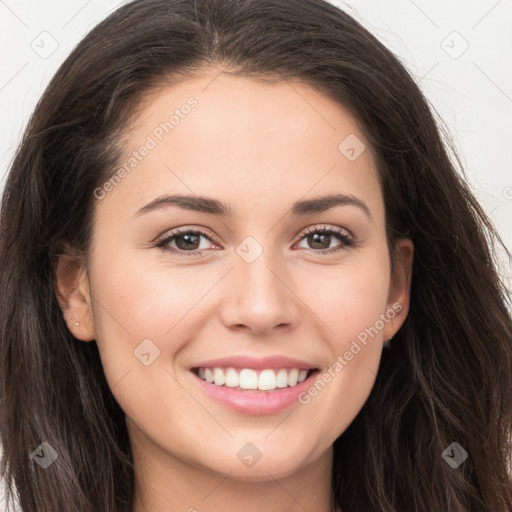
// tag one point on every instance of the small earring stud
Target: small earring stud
(76, 323)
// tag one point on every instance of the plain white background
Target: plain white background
(459, 52)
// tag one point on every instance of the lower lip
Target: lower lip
(255, 402)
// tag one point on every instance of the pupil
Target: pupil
(189, 242)
(314, 238)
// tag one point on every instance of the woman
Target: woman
(239, 270)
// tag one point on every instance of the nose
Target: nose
(259, 297)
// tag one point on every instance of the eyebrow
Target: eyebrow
(215, 207)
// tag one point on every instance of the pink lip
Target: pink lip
(256, 363)
(255, 402)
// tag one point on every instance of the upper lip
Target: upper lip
(256, 363)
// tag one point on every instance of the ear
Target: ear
(73, 294)
(400, 287)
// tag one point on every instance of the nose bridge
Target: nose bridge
(257, 295)
(258, 278)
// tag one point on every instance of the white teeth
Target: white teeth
(282, 379)
(247, 378)
(218, 377)
(267, 380)
(232, 378)
(292, 377)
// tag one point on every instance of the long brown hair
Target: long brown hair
(448, 374)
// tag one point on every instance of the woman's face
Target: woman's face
(261, 281)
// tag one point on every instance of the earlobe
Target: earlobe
(73, 294)
(400, 288)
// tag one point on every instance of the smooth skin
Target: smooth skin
(258, 148)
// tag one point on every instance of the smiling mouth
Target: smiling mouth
(241, 379)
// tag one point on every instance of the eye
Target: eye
(187, 241)
(321, 238)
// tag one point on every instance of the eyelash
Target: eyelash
(346, 239)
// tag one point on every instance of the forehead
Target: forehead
(238, 138)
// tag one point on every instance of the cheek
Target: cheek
(347, 298)
(134, 302)
(350, 306)
(151, 308)
(148, 302)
